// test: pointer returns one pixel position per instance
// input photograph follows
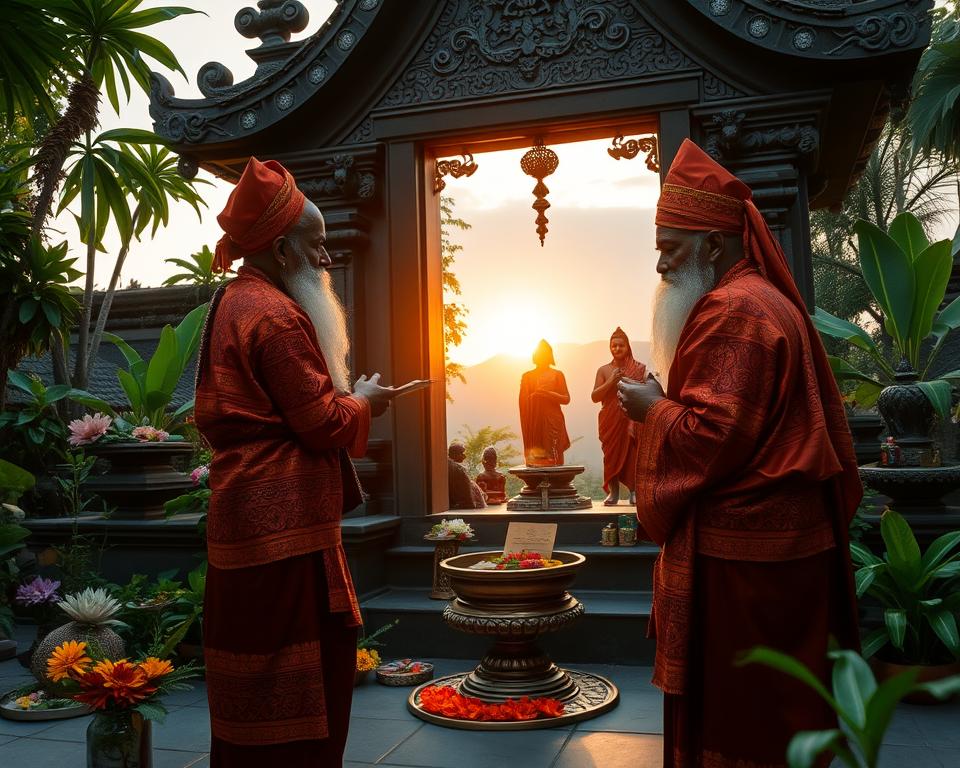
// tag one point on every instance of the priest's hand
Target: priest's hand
(370, 389)
(638, 397)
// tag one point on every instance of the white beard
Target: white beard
(672, 303)
(312, 289)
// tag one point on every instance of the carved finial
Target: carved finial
(274, 22)
(540, 162)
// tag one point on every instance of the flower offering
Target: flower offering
(457, 529)
(516, 561)
(444, 700)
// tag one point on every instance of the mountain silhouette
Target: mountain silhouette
(489, 396)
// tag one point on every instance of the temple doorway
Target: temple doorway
(504, 291)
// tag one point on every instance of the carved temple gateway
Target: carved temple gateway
(790, 94)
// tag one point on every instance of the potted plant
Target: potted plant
(864, 707)
(907, 276)
(368, 658)
(14, 482)
(920, 598)
(185, 619)
(141, 445)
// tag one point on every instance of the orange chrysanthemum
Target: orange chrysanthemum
(70, 657)
(153, 667)
(121, 682)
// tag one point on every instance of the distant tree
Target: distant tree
(476, 441)
(133, 284)
(454, 313)
(198, 270)
(589, 483)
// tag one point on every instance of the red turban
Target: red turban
(264, 204)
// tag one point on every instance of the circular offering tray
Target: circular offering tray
(398, 673)
(912, 486)
(595, 695)
(10, 711)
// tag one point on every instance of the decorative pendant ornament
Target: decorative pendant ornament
(455, 168)
(629, 149)
(540, 162)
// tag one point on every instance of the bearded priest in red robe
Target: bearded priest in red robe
(746, 478)
(618, 439)
(274, 401)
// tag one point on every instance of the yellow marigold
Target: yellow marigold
(67, 658)
(367, 659)
(24, 702)
(154, 667)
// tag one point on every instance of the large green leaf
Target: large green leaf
(806, 746)
(12, 537)
(939, 550)
(861, 555)
(903, 552)
(772, 658)
(14, 479)
(942, 688)
(895, 620)
(907, 232)
(163, 371)
(875, 641)
(837, 328)
(932, 271)
(889, 274)
(132, 389)
(853, 685)
(844, 371)
(944, 624)
(188, 335)
(20, 381)
(938, 392)
(865, 576)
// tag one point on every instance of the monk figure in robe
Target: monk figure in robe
(274, 401)
(464, 493)
(492, 483)
(542, 391)
(746, 478)
(618, 439)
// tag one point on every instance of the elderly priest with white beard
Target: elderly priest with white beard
(274, 401)
(746, 478)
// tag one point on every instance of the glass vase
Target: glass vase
(119, 740)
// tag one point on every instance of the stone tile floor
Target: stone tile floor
(383, 733)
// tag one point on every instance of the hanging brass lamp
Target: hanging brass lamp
(540, 162)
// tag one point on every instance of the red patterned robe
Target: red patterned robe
(280, 612)
(618, 439)
(746, 485)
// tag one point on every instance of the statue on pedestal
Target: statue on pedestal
(542, 392)
(617, 432)
(464, 493)
(492, 483)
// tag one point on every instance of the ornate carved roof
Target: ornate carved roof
(826, 29)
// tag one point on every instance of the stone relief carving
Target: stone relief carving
(482, 49)
(727, 137)
(274, 23)
(877, 33)
(341, 178)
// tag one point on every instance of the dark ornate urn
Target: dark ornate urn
(909, 416)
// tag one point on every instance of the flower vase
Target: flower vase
(119, 740)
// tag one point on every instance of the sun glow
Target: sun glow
(518, 322)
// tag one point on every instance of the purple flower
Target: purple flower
(40, 591)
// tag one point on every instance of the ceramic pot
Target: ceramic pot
(119, 740)
(928, 673)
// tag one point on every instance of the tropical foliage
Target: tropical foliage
(197, 271)
(864, 708)
(454, 313)
(920, 594)
(149, 384)
(934, 115)
(907, 277)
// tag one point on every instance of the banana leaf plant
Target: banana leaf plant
(919, 593)
(864, 708)
(149, 384)
(907, 275)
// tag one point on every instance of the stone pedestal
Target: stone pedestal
(442, 549)
(548, 489)
(141, 478)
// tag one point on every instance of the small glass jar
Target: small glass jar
(628, 536)
(608, 536)
(119, 740)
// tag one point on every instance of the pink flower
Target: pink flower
(88, 430)
(150, 434)
(200, 474)
(40, 591)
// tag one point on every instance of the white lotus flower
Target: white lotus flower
(92, 606)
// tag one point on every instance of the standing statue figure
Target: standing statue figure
(618, 438)
(464, 493)
(542, 391)
(492, 483)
